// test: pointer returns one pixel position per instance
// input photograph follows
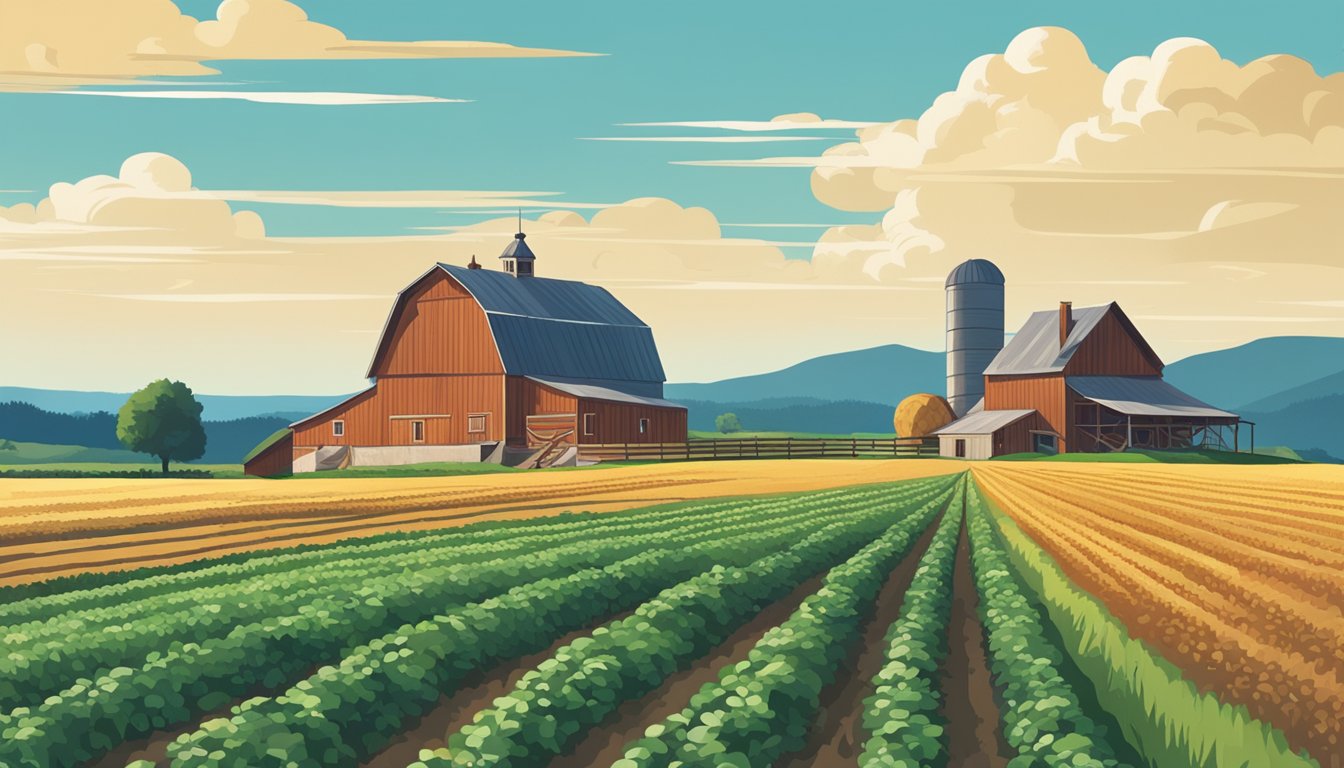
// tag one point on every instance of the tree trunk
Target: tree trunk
(164, 461)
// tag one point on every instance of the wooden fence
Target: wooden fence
(766, 448)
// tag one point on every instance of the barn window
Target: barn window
(589, 424)
(1043, 443)
(417, 431)
(476, 423)
(961, 448)
(643, 426)
(338, 428)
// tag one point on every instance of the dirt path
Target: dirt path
(970, 706)
(154, 747)
(476, 693)
(58, 527)
(835, 737)
(605, 744)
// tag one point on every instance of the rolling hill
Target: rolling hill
(217, 407)
(1242, 376)
(883, 374)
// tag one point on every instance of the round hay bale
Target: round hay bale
(919, 415)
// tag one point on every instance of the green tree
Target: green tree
(727, 422)
(163, 420)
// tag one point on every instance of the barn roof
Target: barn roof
(1143, 396)
(557, 328)
(983, 422)
(594, 392)
(1035, 347)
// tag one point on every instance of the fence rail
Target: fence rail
(766, 448)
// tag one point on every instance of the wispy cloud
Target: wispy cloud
(782, 225)
(779, 124)
(240, 298)
(423, 198)
(710, 139)
(310, 98)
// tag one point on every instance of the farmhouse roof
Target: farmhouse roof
(983, 422)
(1035, 348)
(1143, 396)
(554, 328)
(594, 392)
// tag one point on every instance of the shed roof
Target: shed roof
(983, 422)
(558, 328)
(1143, 396)
(594, 392)
(1035, 347)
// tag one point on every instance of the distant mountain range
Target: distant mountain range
(216, 407)
(1292, 386)
(878, 375)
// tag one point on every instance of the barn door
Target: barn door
(547, 427)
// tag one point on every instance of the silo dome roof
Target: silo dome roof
(975, 271)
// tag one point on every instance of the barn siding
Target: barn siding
(1044, 393)
(377, 417)
(619, 423)
(1111, 350)
(439, 330)
(528, 398)
(276, 459)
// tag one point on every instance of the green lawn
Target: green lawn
(113, 469)
(44, 453)
(1157, 457)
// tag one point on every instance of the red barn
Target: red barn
(474, 361)
(1081, 380)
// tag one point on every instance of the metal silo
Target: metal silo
(974, 330)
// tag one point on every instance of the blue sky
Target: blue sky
(522, 130)
(1096, 155)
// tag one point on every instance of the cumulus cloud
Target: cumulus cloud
(152, 193)
(1190, 188)
(56, 43)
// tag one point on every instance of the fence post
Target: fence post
(627, 451)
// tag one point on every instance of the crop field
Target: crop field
(1236, 576)
(1014, 615)
(72, 527)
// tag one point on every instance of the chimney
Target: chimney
(473, 264)
(1065, 321)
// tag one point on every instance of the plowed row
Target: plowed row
(52, 528)
(1234, 576)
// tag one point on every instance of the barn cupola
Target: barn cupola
(518, 258)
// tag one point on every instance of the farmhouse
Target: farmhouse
(477, 364)
(1082, 380)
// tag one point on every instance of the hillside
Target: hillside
(1237, 377)
(1312, 390)
(93, 436)
(216, 407)
(877, 375)
(1305, 425)
(794, 415)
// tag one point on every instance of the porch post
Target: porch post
(1129, 432)
(1236, 437)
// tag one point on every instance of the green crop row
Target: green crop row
(30, 672)
(555, 703)
(902, 714)
(123, 589)
(1042, 718)
(1164, 715)
(187, 678)
(326, 719)
(760, 708)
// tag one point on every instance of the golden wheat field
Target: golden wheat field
(1236, 574)
(57, 527)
